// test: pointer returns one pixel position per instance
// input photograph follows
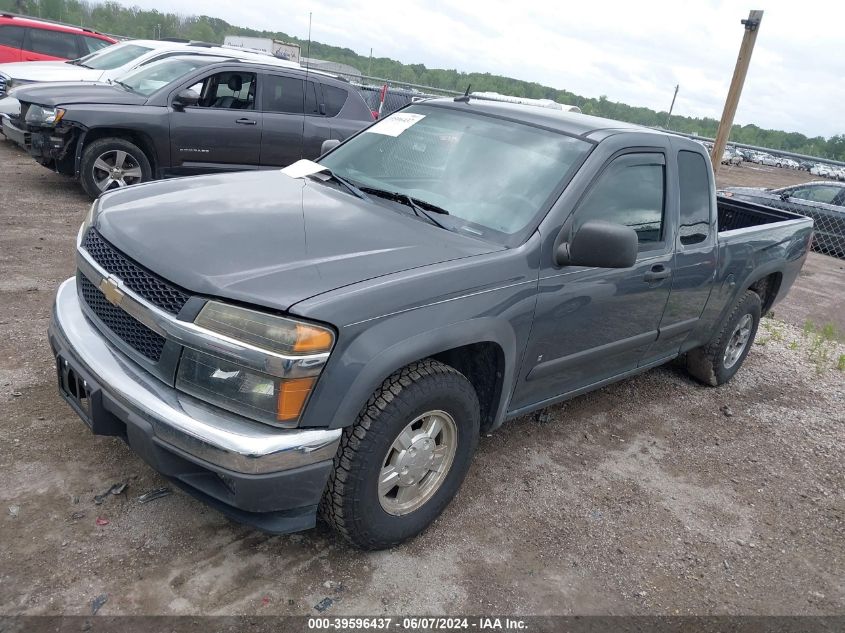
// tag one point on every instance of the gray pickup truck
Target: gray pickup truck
(333, 337)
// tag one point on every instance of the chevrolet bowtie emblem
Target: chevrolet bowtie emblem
(108, 287)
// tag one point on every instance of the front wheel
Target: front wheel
(111, 163)
(405, 457)
(716, 363)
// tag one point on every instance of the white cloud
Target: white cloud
(633, 52)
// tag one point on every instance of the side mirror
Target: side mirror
(599, 245)
(185, 98)
(329, 145)
(784, 195)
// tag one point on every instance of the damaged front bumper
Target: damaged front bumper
(52, 144)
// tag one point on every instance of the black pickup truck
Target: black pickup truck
(337, 334)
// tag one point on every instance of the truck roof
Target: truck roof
(573, 123)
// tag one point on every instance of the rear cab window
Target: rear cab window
(695, 199)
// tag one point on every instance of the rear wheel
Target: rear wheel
(111, 163)
(717, 362)
(405, 457)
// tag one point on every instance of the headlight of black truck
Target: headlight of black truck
(296, 353)
(42, 115)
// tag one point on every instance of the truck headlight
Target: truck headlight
(262, 396)
(41, 115)
(88, 221)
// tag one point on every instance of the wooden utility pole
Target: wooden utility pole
(672, 107)
(752, 27)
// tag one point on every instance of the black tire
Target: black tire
(101, 147)
(708, 364)
(351, 502)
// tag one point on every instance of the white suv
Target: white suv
(117, 60)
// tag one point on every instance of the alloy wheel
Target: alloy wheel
(116, 168)
(417, 462)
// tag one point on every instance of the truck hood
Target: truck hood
(69, 93)
(49, 71)
(268, 239)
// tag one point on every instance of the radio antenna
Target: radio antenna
(465, 97)
(305, 85)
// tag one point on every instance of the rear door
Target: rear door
(592, 324)
(283, 104)
(223, 131)
(11, 40)
(695, 262)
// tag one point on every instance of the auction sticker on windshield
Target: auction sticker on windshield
(395, 124)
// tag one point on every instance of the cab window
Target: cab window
(630, 192)
(53, 43)
(817, 193)
(11, 36)
(285, 95)
(230, 90)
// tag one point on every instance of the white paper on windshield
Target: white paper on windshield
(302, 168)
(395, 124)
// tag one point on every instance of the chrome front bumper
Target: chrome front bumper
(189, 426)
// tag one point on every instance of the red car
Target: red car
(28, 39)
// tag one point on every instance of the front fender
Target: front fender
(379, 348)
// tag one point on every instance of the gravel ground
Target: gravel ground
(653, 496)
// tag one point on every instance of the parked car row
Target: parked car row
(182, 109)
(828, 171)
(116, 61)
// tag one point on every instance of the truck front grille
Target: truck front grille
(151, 287)
(135, 334)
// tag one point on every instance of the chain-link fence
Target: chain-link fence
(385, 96)
(824, 202)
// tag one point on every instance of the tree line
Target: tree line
(114, 18)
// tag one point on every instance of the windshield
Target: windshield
(149, 79)
(492, 176)
(114, 56)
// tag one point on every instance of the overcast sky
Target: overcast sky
(633, 51)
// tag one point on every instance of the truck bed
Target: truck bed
(736, 214)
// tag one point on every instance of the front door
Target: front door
(222, 132)
(592, 324)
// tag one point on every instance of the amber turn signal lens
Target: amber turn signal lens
(292, 397)
(312, 339)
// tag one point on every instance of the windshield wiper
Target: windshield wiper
(333, 176)
(420, 207)
(122, 84)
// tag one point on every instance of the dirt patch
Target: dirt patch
(644, 497)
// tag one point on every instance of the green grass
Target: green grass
(822, 345)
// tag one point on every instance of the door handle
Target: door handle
(245, 121)
(657, 273)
